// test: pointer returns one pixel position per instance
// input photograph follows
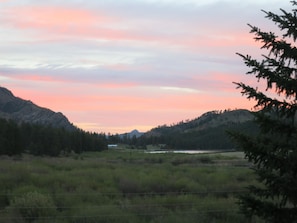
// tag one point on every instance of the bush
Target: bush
(129, 186)
(31, 207)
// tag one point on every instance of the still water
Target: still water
(183, 151)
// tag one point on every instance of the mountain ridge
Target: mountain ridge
(209, 119)
(207, 132)
(20, 110)
(134, 133)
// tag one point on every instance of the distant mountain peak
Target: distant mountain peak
(133, 133)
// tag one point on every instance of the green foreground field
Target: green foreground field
(124, 186)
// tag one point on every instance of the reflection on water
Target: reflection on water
(183, 151)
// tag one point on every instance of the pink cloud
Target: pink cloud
(216, 43)
(60, 79)
(57, 21)
(224, 81)
(55, 17)
(77, 23)
(32, 77)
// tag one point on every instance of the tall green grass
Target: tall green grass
(114, 186)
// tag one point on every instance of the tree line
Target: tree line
(186, 136)
(46, 140)
(213, 138)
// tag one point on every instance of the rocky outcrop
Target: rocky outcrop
(20, 110)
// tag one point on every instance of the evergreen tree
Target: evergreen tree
(273, 151)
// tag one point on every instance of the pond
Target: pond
(184, 151)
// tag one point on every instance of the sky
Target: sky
(116, 65)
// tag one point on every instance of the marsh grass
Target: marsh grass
(118, 186)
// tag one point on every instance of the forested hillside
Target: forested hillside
(207, 132)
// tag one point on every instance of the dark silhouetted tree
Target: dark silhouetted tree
(273, 151)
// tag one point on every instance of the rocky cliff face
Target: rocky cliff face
(20, 110)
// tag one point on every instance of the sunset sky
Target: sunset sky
(118, 65)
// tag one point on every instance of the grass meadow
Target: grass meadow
(124, 187)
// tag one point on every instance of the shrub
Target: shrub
(129, 186)
(32, 206)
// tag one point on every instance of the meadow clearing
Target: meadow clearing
(124, 186)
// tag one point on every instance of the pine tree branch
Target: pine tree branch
(286, 22)
(264, 102)
(279, 48)
(274, 72)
